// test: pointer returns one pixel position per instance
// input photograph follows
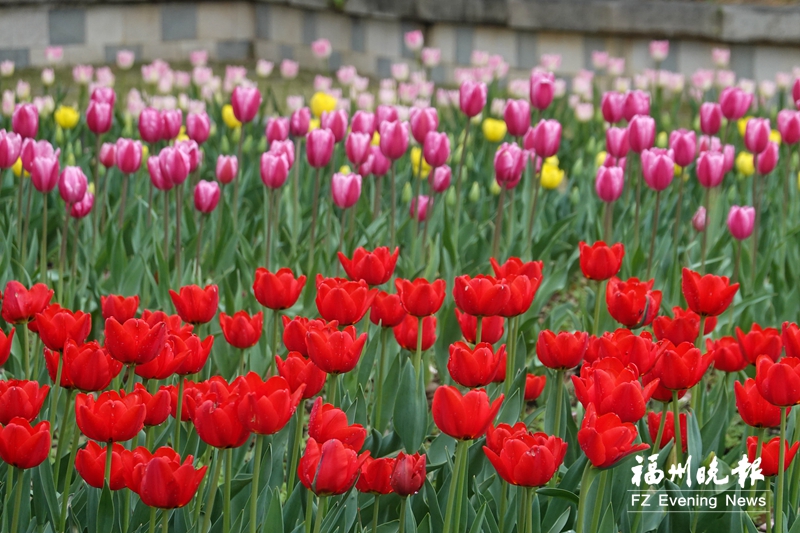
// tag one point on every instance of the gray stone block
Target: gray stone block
(234, 50)
(309, 27)
(405, 27)
(438, 74)
(178, 22)
(483, 11)
(20, 56)
(287, 51)
(358, 35)
(759, 23)
(527, 50)
(262, 21)
(383, 67)
(464, 44)
(67, 25)
(335, 61)
(743, 61)
(112, 49)
(592, 44)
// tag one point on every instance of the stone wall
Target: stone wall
(369, 33)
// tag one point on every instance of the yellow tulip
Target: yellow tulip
(66, 116)
(744, 164)
(90, 187)
(313, 124)
(552, 160)
(322, 102)
(376, 139)
(775, 136)
(494, 130)
(416, 158)
(145, 152)
(17, 168)
(229, 118)
(344, 169)
(182, 133)
(552, 176)
(742, 125)
(677, 171)
(600, 158)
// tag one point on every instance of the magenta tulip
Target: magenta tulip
(336, 122)
(617, 142)
(198, 127)
(159, 180)
(299, 122)
(509, 162)
(175, 165)
(345, 189)
(767, 160)
(636, 103)
(10, 148)
(105, 95)
(227, 168)
(734, 102)
(385, 113)
(544, 138)
(319, 147)
(245, 102)
(609, 183)
(25, 121)
(439, 179)
(542, 89)
(710, 118)
(44, 174)
(128, 155)
(356, 147)
(422, 121)
(274, 169)
(277, 129)
(741, 221)
(788, 126)
(150, 125)
(283, 148)
(108, 154)
(98, 117)
(421, 207)
(517, 115)
(710, 169)
(683, 144)
(472, 97)
(699, 219)
(394, 139)
(756, 135)
(436, 148)
(612, 106)
(641, 133)
(658, 168)
(84, 207)
(363, 122)
(206, 196)
(171, 120)
(72, 185)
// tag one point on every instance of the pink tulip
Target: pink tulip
(277, 129)
(641, 133)
(98, 117)
(72, 185)
(283, 148)
(788, 126)
(612, 161)
(729, 157)
(363, 122)
(321, 48)
(206, 196)
(509, 162)
(767, 160)
(299, 122)
(414, 40)
(421, 207)
(245, 101)
(190, 148)
(659, 50)
(636, 103)
(25, 121)
(517, 115)
(44, 173)
(542, 89)
(171, 121)
(439, 179)
(708, 143)
(336, 122)
(385, 113)
(699, 219)
(617, 142)
(128, 155)
(609, 183)
(345, 189)
(544, 138)
(710, 118)
(175, 165)
(472, 97)
(150, 125)
(198, 127)
(227, 168)
(741, 221)
(756, 135)
(274, 169)
(108, 154)
(710, 169)
(10, 148)
(613, 106)
(32, 149)
(319, 147)
(356, 147)
(683, 144)
(83, 207)
(658, 168)
(105, 95)
(436, 148)
(159, 180)
(422, 121)
(394, 139)
(376, 163)
(734, 102)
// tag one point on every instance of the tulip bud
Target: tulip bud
(436, 148)
(128, 155)
(171, 121)
(150, 125)
(206, 196)
(421, 207)
(227, 168)
(474, 192)
(617, 142)
(636, 103)
(357, 147)
(756, 135)
(439, 179)
(108, 155)
(509, 162)
(25, 121)
(609, 183)
(544, 138)
(699, 219)
(72, 184)
(472, 98)
(517, 115)
(345, 189)
(84, 207)
(542, 89)
(246, 102)
(612, 106)
(788, 126)
(423, 121)
(274, 169)
(734, 102)
(710, 118)
(406, 193)
(741, 221)
(44, 173)
(394, 139)
(767, 160)
(175, 165)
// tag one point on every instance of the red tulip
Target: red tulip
(265, 407)
(421, 298)
(409, 473)
(335, 352)
(707, 295)
(330, 468)
(680, 367)
(327, 422)
(157, 406)
(534, 386)
(196, 305)
(168, 360)
(622, 344)
(600, 261)
(759, 342)
(474, 367)
(375, 474)
(295, 329)
(120, 307)
(632, 303)
(492, 327)
(24, 446)
(87, 367)
(770, 454)
(6, 341)
(790, 335)
(528, 460)
(496, 436)
(344, 301)
(668, 434)
(406, 332)
(90, 462)
(606, 440)
(481, 295)
(685, 327)
(514, 266)
(163, 482)
(242, 330)
(726, 354)
(21, 399)
(375, 267)
(217, 422)
(135, 341)
(753, 408)
(279, 290)
(21, 305)
(110, 418)
(522, 290)
(613, 388)
(56, 325)
(387, 310)
(197, 352)
(779, 382)
(563, 350)
(300, 372)
(464, 417)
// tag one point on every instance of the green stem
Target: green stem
(62, 436)
(165, 520)
(699, 388)
(661, 425)
(393, 207)
(478, 329)
(375, 510)
(598, 298)
(511, 340)
(178, 413)
(309, 510)
(199, 247)
(26, 355)
(534, 202)
(320, 513)
(226, 495)
(43, 245)
(17, 499)
(529, 521)
(503, 503)
(254, 489)
(631, 160)
(56, 392)
(379, 382)
(333, 388)
(653, 235)
(198, 501)
(418, 353)
(122, 200)
(510, 226)
(109, 456)
(598, 507)
(20, 200)
(402, 528)
(314, 208)
(68, 480)
(676, 234)
(781, 474)
(559, 401)
(677, 424)
(237, 179)
(462, 490)
(457, 218)
(296, 196)
(275, 347)
(462, 447)
(298, 436)
(153, 519)
(498, 224)
(589, 473)
(737, 259)
(267, 224)
(705, 231)
(762, 435)
(767, 521)
(212, 491)
(178, 224)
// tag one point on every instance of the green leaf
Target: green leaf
(44, 491)
(559, 524)
(608, 522)
(411, 415)
(477, 524)
(559, 493)
(105, 511)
